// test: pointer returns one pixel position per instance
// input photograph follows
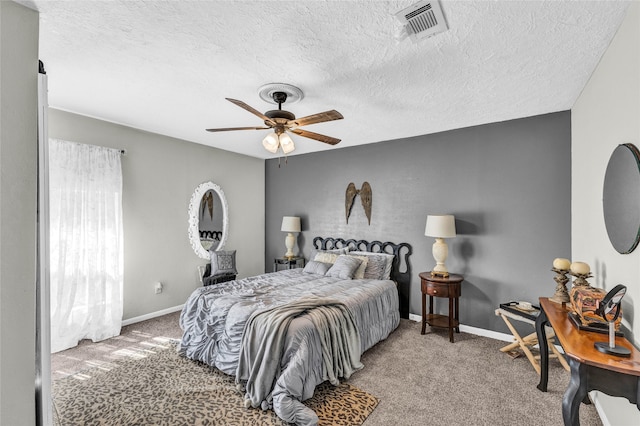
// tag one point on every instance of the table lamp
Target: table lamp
(290, 224)
(440, 227)
(611, 303)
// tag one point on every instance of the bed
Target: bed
(318, 320)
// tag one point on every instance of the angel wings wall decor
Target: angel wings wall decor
(207, 202)
(365, 198)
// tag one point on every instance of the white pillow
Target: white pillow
(315, 252)
(325, 257)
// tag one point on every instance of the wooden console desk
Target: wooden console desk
(590, 369)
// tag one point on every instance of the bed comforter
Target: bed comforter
(213, 322)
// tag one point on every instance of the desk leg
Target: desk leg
(575, 393)
(541, 321)
(424, 312)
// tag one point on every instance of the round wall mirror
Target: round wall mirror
(621, 198)
(208, 219)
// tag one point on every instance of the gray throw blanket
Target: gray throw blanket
(264, 337)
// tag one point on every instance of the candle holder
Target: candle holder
(561, 295)
(581, 279)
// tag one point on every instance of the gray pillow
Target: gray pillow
(223, 262)
(344, 268)
(319, 268)
(378, 266)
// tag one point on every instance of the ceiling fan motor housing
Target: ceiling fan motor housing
(280, 113)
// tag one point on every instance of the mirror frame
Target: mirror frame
(194, 211)
(609, 220)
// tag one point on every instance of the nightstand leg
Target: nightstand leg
(424, 312)
(451, 314)
(457, 316)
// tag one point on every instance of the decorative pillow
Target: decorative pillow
(326, 257)
(344, 267)
(315, 252)
(315, 267)
(359, 274)
(223, 262)
(378, 266)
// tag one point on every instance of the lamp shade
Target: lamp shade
(440, 226)
(290, 224)
(286, 143)
(270, 143)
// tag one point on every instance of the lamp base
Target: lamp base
(442, 274)
(620, 351)
(289, 242)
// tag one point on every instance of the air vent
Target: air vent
(423, 19)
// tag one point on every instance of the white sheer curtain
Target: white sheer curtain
(85, 199)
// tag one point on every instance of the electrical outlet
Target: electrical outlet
(158, 287)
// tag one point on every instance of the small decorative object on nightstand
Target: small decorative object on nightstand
(440, 227)
(449, 287)
(290, 262)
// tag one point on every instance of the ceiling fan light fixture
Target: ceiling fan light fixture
(286, 143)
(282, 121)
(271, 143)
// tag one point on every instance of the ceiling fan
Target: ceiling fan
(282, 121)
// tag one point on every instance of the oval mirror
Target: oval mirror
(208, 219)
(621, 198)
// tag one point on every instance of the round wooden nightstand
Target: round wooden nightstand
(449, 287)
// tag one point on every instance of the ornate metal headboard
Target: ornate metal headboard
(400, 270)
(215, 235)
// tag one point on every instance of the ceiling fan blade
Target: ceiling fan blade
(237, 128)
(252, 110)
(316, 136)
(320, 117)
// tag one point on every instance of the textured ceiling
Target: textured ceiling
(166, 66)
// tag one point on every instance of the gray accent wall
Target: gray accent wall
(160, 174)
(508, 185)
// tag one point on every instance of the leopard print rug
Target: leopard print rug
(159, 387)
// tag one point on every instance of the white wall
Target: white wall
(159, 176)
(607, 114)
(18, 187)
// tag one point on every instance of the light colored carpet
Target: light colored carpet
(426, 380)
(418, 380)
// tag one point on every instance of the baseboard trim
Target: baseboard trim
(593, 395)
(152, 315)
(474, 330)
